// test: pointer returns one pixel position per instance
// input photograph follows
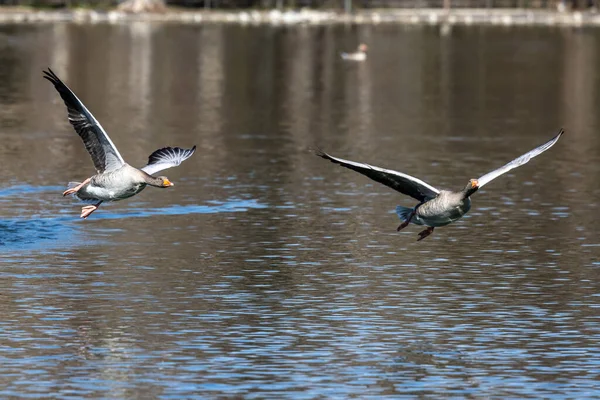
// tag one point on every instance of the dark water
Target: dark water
(269, 273)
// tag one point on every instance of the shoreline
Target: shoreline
(458, 16)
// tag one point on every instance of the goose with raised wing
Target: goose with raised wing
(115, 179)
(436, 207)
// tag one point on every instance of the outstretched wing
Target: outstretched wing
(403, 183)
(517, 162)
(167, 157)
(104, 154)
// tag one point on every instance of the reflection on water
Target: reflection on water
(28, 232)
(269, 273)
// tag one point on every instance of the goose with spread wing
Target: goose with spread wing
(115, 179)
(436, 207)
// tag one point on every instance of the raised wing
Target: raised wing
(517, 162)
(167, 157)
(403, 183)
(104, 154)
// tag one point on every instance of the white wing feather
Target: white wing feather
(517, 162)
(167, 157)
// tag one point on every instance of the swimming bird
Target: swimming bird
(115, 179)
(436, 207)
(359, 55)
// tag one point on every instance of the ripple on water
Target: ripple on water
(44, 229)
(214, 207)
(23, 190)
(34, 233)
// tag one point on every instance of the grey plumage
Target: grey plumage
(436, 207)
(115, 179)
(120, 184)
(105, 155)
(446, 208)
(398, 181)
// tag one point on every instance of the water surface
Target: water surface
(266, 272)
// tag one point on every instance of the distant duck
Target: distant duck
(359, 55)
(115, 179)
(436, 207)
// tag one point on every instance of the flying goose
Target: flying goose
(115, 179)
(436, 207)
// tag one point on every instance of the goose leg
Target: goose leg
(425, 233)
(87, 210)
(405, 223)
(76, 188)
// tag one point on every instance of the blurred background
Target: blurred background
(345, 5)
(267, 272)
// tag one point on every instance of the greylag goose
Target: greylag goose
(359, 55)
(115, 179)
(436, 207)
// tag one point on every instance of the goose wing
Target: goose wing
(517, 162)
(167, 157)
(403, 183)
(104, 154)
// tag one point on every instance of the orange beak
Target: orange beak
(474, 183)
(167, 183)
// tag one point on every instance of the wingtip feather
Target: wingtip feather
(156, 156)
(318, 152)
(51, 76)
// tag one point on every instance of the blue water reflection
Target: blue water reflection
(267, 273)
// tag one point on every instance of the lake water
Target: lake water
(267, 272)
